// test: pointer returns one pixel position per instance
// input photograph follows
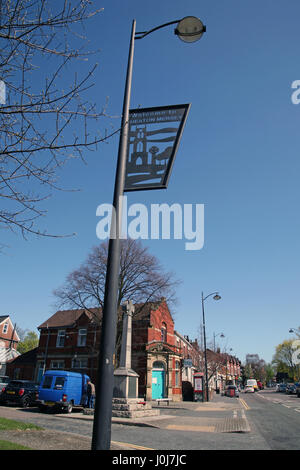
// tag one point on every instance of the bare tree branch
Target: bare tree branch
(41, 44)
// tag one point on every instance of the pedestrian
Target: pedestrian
(90, 394)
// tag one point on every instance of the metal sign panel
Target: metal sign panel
(154, 136)
(187, 363)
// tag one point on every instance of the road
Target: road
(273, 419)
(276, 417)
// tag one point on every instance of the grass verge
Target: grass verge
(12, 425)
(6, 445)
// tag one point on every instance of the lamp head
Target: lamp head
(190, 29)
(217, 297)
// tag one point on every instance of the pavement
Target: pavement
(222, 415)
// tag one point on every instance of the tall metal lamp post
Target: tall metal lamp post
(216, 297)
(189, 29)
(215, 336)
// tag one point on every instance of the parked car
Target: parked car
(291, 389)
(4, 380)
(249, 389)
(294, 389)
(260, 385)
(252, 383)
(21, 392)
(282, 388)
(62, 390)
(231, 391)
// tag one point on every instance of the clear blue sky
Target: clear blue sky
(239, 156)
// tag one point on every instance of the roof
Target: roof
(27, 358)
(143, 310)
(69, 317)
(7, 354)
(3, 317)
(65, 318)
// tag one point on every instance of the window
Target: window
(59, 383)
(60, 342)
(81, 337)
(164, 333)
(79, 363)
(47, 381)
(177, 374)
(5, 328)
(57, 365)
(158, 365)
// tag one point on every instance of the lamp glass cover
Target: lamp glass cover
(190, 29)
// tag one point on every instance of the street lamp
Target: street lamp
(215, 336)
(216, 297)
(190, 30)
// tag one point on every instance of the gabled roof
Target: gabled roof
(28, 357)
(143, 310)
(7, 354)
(64, 318)
(3, 317)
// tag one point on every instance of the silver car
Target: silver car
(4, 380)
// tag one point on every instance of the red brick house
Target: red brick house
(223, 369)
(9, 340)
(70, 339)
(155, 355)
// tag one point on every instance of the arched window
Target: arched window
(164, 333)
(159, 365)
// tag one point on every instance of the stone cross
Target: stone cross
(125, 358)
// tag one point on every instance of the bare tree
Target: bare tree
(45, 116)
(141, 279)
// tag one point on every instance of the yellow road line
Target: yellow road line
(245, 405)
(132, 446)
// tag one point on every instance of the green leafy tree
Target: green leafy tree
(270, 372)
(30, 341)
(248, 372)
(283, 359)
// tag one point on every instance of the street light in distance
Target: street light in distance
(216, 297)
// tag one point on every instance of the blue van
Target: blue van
(62, 390)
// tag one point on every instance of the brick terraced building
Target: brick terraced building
(70, 339)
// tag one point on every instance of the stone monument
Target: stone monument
(126, 403)
(125, 379)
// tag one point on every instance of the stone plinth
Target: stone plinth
(132, 408)
(125, 383)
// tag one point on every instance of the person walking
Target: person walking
(90, 394)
